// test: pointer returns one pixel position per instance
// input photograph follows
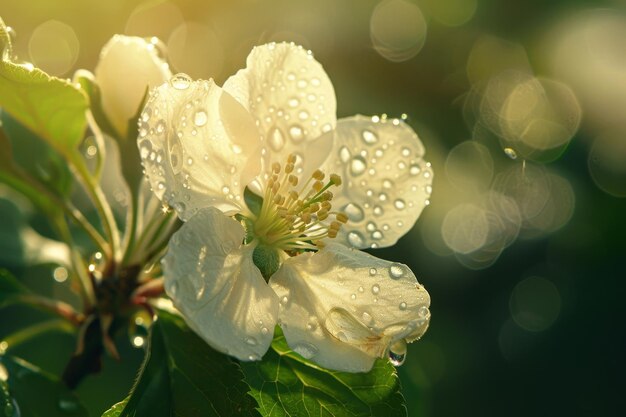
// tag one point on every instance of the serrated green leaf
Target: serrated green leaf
(10, 288)
(34, 393)
(285, 384)
(183, 376)
(52, 108)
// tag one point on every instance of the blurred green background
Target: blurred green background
(522, 107)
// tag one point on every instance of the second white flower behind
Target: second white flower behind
(283, 252)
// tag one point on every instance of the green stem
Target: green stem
(102, 206)
(24, 335)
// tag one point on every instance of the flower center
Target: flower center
(297, 218)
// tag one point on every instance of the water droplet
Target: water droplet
(396, 271)
(302, 83)
(306, 350)
(353, 296)
(253, 357)
(387, 183)
(370, 227)
(303, 115)
(415, 169)
(397, 352)
(378, 211)
(264, 330)
(251, 341)
(399, 204)
(361, 289)
(423, 312)
(200, 118)
(296, 133)
(367, 317)
(225, 190)
(315, 82)
(356, 239)
(344, 154)
(358, 165)
(428, 189)
(180, 81)
(377, 234)
(354, 212)
(276, 139)
(375, 289)
(406, 152)
(373, 271)
(293, 102)
(402, 306)
(160, 127)
(510, 152)
(145, 147)
(190, 161)
(369, 137)
(284, 300)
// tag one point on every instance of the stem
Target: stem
(131, 228)
(35, 330)
(102, 206)
(55, 306)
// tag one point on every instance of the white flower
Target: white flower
(233, 271)
(128, 65)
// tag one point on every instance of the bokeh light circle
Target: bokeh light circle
(54, 47)
(397, 29)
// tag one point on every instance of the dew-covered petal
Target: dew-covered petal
(289, 95)
(128, 65)
(212, 280)
(342, 308)
(386, 182)
(198, 145)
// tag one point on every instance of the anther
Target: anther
(334, 226)
(291, 159)
(341, 217)
(317, 186)
(322, 214)
(293, 180)
(318, 175)
(275, 167)
(289, 168)
(335, 179)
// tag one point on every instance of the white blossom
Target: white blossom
(328, 188)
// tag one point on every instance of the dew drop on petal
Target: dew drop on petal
(373, 271)
(251, 341)
(354, 212)
(200, 118)
(399, 204)
(264, 330)
(396, 271)
(344, 154)
(296, 133)
(369, 137)
(415, 169)
(160, 127)
(293, 102)
(353, 297)
(423, 312)
(402, 306)
(397, 352)
(180, 81)
(355, 239)
(358, 165)
(276, 139)
(253, 357)
(375, 289)
(510, 152)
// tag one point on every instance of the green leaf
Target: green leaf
(10, 288)
(34, 393)
(183, 376)
(52, 108)
(285, 384)
(36, 158)
(253, 201)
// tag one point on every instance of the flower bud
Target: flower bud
(128, 66)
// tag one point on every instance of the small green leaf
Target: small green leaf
(183, 376)
(253, 201)
(284, 384)
(266, 259)
(54, 109)
(10, 288)
(34, 393)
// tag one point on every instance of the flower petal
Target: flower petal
(128, 65)
(288, 93)
(386, 182)
(198, 145)
(212, 280)
(342, 308)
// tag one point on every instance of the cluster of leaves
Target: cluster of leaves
(43, 125)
